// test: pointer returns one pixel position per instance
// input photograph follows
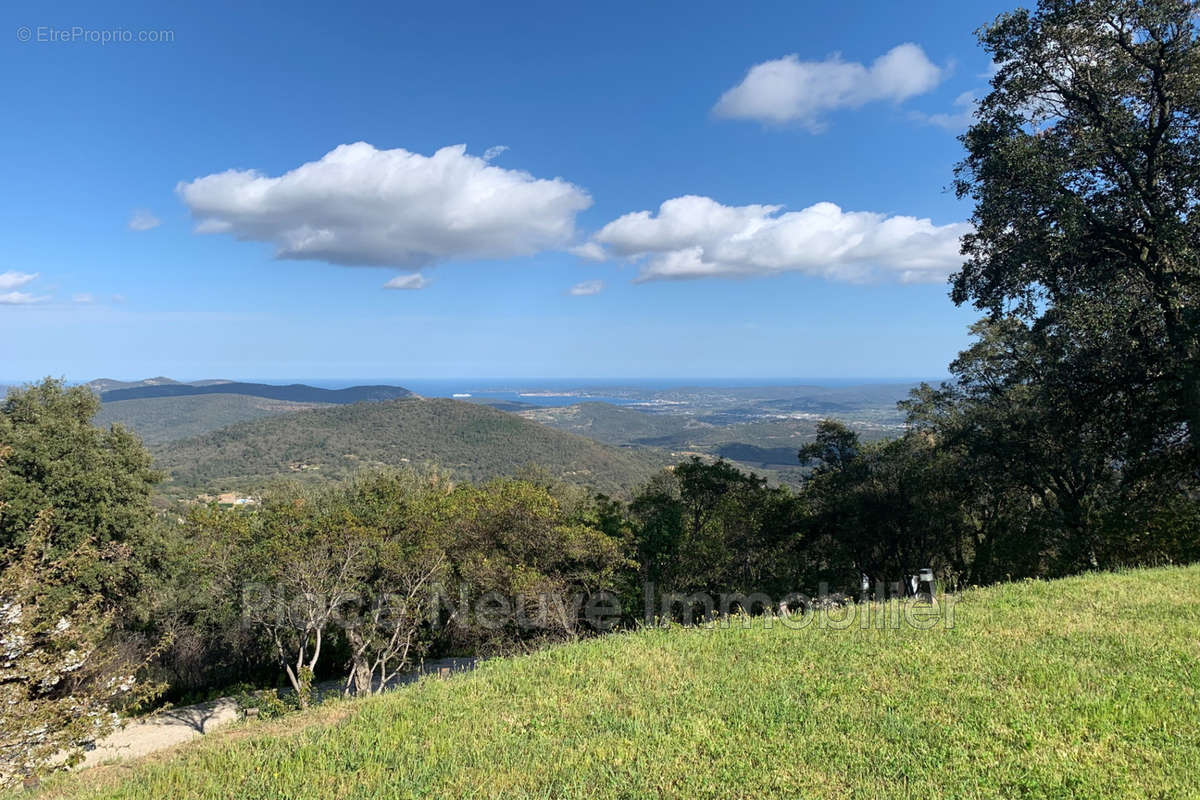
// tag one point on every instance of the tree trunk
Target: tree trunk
(360, 667)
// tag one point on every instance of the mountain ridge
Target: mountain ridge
(293, 392)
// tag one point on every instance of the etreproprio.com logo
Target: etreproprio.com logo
(79, 34)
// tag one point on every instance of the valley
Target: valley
(222, 435)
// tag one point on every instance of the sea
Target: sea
(553, 392)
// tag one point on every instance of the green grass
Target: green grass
(1080, 688)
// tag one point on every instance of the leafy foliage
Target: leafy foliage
(97, 482)
(62, 675)
(374, 573)
(1084, 165)
(715, 529)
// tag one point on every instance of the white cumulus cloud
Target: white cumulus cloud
(791, 90)
(361, 206)
(413, 280)
(143, 220)
(697, 237)
(586, 288)
(13, 279)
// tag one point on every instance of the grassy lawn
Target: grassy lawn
(1086, 687)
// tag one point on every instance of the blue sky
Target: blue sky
(605, 111)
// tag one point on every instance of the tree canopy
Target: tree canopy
(97, 482)
(1084, 166)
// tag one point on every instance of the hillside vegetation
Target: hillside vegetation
(1083, 687)
(473, 442)
(162, 419)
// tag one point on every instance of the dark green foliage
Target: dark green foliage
(199, 604)
(884, 509)
(1044, 466)
(96, 483)
(713, 528)
(76, 546)
(516, 541)
(389, 565)
(1084, 166)
(835, 447)
(1073, 421)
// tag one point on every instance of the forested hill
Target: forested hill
(473, 442)
(295, 393)
(162, 419)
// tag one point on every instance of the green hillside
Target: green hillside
(1085, 687)
(472, 441)
(161, 419)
